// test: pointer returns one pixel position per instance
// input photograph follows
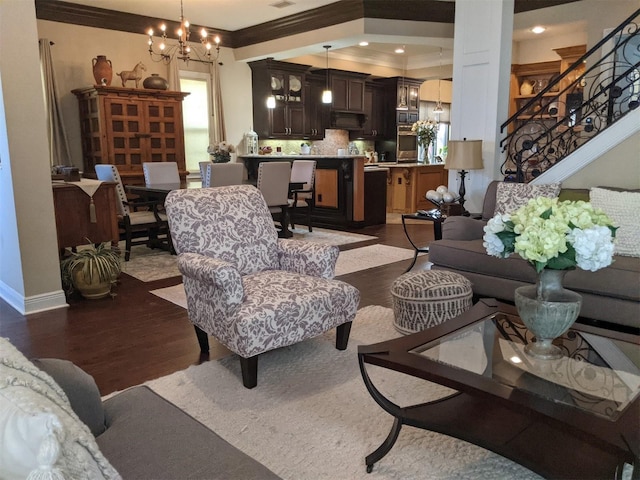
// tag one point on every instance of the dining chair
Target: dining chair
(223, 174)
(203, 170)
(273, 183)
(160, 173)
(302, 171)
(246, 287)
(145, 225)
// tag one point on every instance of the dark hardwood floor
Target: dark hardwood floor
(137, 336)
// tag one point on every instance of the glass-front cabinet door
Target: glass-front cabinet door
(295, 83)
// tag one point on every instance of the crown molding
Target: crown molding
(87, 16)
(333, 14)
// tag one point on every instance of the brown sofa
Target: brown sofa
(610, 295)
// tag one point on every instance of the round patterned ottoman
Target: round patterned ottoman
(428, 298)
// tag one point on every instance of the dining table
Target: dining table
(159, 191)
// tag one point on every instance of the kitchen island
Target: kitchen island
(340, 186)
(408, 184)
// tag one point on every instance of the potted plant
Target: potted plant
(305, 148)
(91, 271)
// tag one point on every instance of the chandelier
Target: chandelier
(183, 50)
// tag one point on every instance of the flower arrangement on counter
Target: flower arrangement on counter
(554, 235)
(426, 131)
(221, 152)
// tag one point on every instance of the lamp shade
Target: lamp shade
(464, 155)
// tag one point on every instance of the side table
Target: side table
(437, 233)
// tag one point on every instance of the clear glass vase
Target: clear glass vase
(548, 310)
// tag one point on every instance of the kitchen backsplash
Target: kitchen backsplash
(333, 140)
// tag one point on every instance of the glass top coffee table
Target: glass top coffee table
(575, 417)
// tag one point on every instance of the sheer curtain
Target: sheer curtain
(219, 129)
(174, 75)
(59, 152)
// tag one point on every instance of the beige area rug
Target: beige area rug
(349, 261)
(148, 264)
(311, 417)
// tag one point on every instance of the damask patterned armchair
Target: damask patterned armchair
(246, 287)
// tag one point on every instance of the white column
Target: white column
(480, 100)
(29, 267)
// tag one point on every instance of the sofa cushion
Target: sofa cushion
(40, 433)
(511, 196)
(619, 280)
(622, 207)
(80, 388)
(149, 437)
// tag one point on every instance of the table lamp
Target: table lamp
(464, 155)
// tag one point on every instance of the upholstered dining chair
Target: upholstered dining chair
(203, 170)
(273, 182)
(160, 173)
(246, 287)
(144, 225)
(302, 171)
(223, 174)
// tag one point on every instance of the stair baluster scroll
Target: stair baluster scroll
(592, 94)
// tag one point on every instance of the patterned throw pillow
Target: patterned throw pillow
(511, 196)
(622, 208)
(40, 434)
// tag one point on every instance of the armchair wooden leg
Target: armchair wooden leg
(203, 339)
(342, 335)
(249, 368)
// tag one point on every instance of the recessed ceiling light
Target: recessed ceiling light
(538, 29)
(399, 50)
(363, 43)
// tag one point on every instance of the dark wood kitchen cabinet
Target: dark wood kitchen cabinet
(373, 127)
(129, 126)
(403, 96)
(286, 83)
(316, 113)
(347, 89)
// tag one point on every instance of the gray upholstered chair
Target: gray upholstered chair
(302, 171)
(223, 174)
(160, 173)
(249, 289)
(273, 182)
(147, 225)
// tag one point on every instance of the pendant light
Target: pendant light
(327, 96)
(438, 110)
(271, 99)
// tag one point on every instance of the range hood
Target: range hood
(347, 120)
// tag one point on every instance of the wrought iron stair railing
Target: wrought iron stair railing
(592, 94)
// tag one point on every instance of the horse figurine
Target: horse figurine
(135, 74)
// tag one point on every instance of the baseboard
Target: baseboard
(35, 303)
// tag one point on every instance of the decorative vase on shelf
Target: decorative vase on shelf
(548, 310)
(102, 70)
(156, 82)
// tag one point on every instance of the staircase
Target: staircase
(581, 106)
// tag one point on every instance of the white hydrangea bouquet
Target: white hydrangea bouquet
(554, 235)
(426, 131)
(221, 152)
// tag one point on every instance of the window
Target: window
(196, 118)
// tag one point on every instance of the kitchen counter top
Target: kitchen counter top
(409, 165)
(299, 156)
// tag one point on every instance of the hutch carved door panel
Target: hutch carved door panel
(127, 127)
